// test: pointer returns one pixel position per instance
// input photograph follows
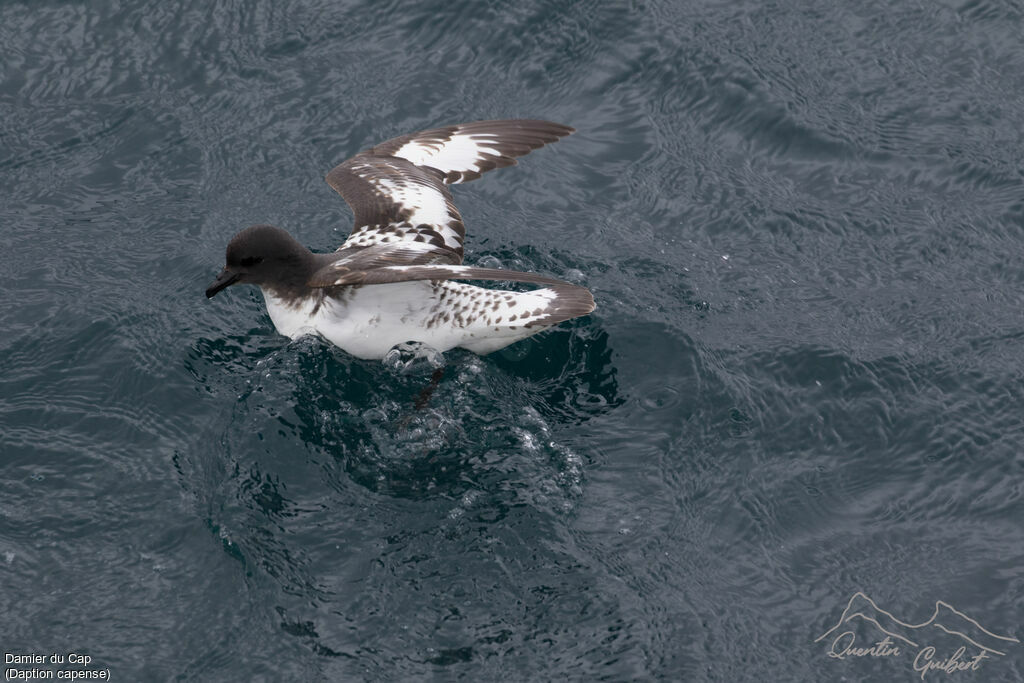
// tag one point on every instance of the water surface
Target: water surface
(802, 223)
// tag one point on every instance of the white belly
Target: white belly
(367, 321)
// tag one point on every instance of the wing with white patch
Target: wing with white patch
(464, 152)
(396, 201)
(397, 190)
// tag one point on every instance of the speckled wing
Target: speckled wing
(397, 190)
(396, 201)
(464, 152)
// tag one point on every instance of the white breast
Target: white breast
(368, 321)
(291, 320)
(371, 320)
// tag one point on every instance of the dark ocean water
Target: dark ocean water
(802, 222)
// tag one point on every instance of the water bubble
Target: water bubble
(413, 358)
(489, 262)
(527, 439)
(574, 275)
(517, 351)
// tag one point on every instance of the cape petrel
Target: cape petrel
(392, 281)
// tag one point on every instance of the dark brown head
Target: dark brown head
(266, 256)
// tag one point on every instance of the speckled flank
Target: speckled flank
(462, 305)
(368, 321)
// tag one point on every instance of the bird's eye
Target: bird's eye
(249, 261)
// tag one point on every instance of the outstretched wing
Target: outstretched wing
(565, 300)
(339, 274)
(397, 190)
(464, 152)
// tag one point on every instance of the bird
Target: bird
(396, 278)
